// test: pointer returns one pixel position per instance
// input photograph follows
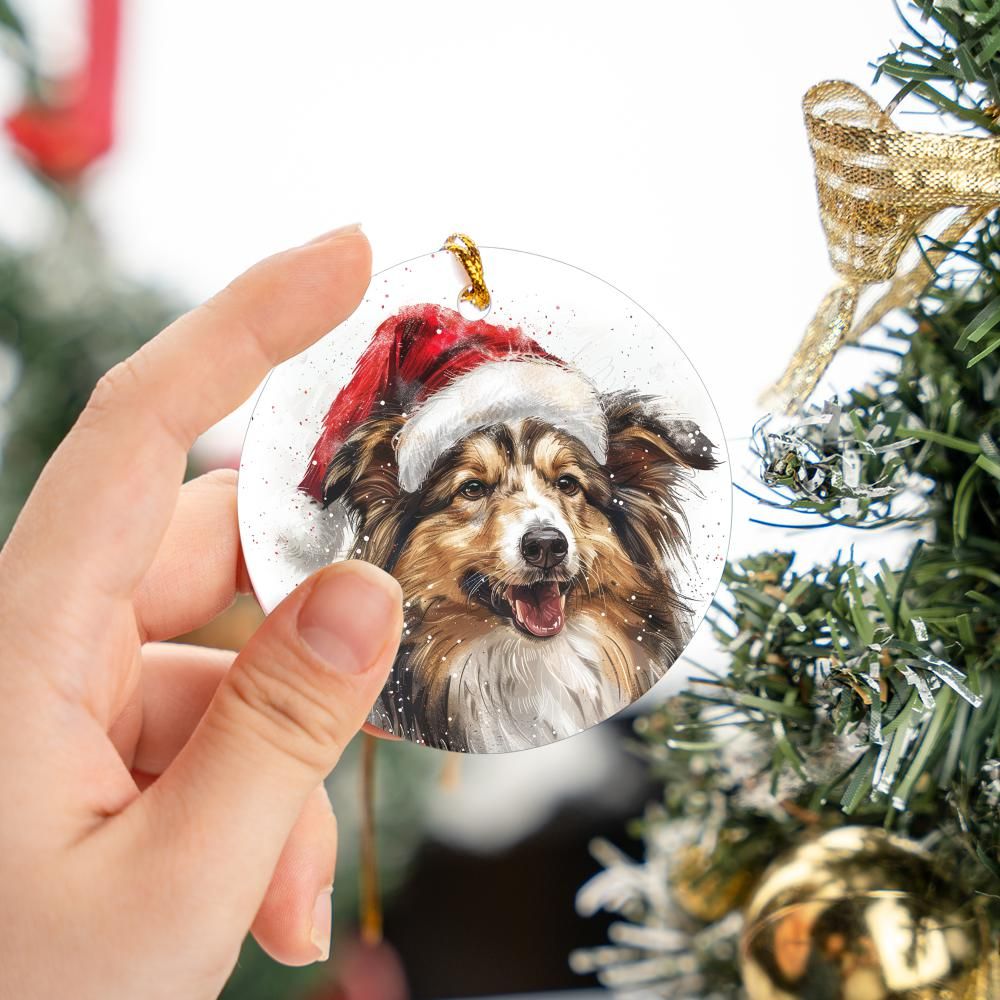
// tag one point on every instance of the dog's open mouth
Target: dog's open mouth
(538, 608)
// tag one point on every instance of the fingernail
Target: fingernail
(322, 923)
(346, 618)
(354, 227)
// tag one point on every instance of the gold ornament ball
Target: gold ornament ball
(859, 914)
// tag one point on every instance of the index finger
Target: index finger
(105, 499)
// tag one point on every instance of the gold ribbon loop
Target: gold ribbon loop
(878, 187)
(467, 252)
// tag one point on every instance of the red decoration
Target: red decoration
(64, 136)
(366, 972)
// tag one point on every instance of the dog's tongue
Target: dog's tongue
(538, 608)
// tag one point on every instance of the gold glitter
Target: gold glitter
(467, 252)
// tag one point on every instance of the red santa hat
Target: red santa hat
(452, 376)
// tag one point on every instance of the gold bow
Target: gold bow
(878, 186)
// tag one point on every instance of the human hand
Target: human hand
(158, 800)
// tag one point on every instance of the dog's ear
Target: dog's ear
(634, 419)
(650, 460)
(363, 477)
(363, 472)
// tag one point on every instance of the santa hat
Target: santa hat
(451, 376)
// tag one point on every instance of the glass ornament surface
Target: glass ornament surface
(548, 481)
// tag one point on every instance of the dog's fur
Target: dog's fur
(467, 677)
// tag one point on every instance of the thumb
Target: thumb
(293, 699)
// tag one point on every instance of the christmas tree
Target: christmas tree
(857, 723)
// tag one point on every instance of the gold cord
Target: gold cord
(467, 252)
(878, 187)
(371, 903)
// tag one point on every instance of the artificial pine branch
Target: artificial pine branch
(854, 694)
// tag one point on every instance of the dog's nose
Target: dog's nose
(544, 547)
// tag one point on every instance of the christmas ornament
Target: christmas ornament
(536, 462)
(859, 914)
(878, 186)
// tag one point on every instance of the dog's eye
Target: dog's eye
(473, 489)
(568, 485)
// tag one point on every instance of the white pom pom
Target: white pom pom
(313, 536)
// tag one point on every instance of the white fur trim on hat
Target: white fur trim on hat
(496, 392)
(309, 534)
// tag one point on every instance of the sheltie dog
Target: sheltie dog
(538, 590)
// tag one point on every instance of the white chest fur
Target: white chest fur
(511, 692)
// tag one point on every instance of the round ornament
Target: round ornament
(537, 463)
(859, 914)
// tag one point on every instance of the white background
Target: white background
(658, 145)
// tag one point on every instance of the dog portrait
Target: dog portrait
(534, 522)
